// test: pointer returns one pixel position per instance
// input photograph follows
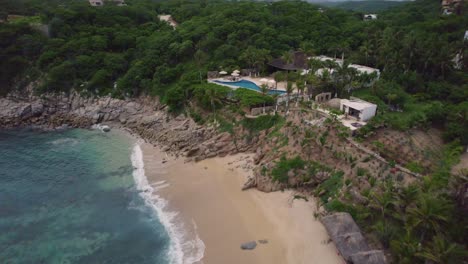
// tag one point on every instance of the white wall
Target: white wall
(368, 112)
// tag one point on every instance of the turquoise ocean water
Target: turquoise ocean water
(73, 197)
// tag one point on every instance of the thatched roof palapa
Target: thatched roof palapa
(339, 224)
(369, 257)
(349, 241)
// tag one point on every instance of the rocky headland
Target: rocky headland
(145, 116)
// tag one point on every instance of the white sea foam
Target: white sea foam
(100, 127)
(160, 185)
(65, 141)
(183, 250)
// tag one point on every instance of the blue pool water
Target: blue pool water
(77, 196)
(250, 85)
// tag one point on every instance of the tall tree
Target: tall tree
(264, 90)
(200, 58)
(289, 90)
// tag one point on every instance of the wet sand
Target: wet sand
(210, 203)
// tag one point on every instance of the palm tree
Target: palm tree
(458, 187)
(383, 202)
(344, 77)
(200, 58)
(255, 58)
(215, 98)
(366, 48)
(439, 250)
(405, 247)
(300, 84)
(288, 57)
(314, 81)
(384, 231)
(410, 43)
(407, 195)
(307, 48)
(430, 213)
(289, 90)
(279, 77)
(314, 65)
(275, 99)
(264, 90)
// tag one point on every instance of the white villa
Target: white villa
(358, 108)
(370, 17)
(360, 68)
(96, 2)
(101, 2)
(168, 19)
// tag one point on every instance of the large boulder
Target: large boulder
(25, 111)
(37, 109)
(249, 245)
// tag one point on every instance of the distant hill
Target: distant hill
(363, 6)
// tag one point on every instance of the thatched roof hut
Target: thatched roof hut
(369, 257)
(350, 244)
(339, 224)
(349, 241)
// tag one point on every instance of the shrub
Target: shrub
(208, 92)
(280, 172)
(361, 172)
(196, 117)
(262, 122)
(225, 126)
(331, 186)
(175, 98)
(337, 206)
(249, 98)
(415, 167)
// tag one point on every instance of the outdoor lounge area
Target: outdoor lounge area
(235, 81)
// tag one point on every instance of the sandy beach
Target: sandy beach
(210, 204)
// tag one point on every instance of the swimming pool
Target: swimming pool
(249, 85)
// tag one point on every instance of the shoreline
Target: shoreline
(212, 198)
(210, 205)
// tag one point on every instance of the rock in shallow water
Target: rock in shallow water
(105, 128)
(249, 245)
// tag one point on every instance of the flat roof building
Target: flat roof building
(370, 17)
(96, 2)
(101, 2)
(358, 108)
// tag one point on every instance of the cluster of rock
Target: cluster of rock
(146, 117)
(143, 116)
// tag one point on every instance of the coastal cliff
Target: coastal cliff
(145, 116)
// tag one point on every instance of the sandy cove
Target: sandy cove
(208, 195)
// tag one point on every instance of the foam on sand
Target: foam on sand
(183, 250)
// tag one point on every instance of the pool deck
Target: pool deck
(281, 85)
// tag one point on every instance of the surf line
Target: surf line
(182, 250)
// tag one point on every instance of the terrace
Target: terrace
(235, 81)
